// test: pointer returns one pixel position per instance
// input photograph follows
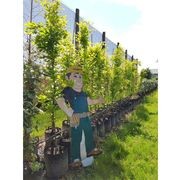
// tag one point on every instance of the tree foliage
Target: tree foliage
(110, 77)
(125, 79)
(48, 39)
(146, 73)
(95, 64)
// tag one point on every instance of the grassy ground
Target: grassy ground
(132, 151)
(129, 153)
(42, 121)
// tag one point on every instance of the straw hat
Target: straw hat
(74, 69)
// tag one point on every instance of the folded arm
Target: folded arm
(61, 103)
(74, 119)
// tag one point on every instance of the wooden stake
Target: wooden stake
(126, 54)
(132, 58)
(76, 28)
(103, 40)
(117, 44)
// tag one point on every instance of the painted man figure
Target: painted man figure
(78, 113)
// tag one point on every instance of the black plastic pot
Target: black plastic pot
(67, 144)
(49, 135)
(56, 161)
(101, 128)
(113, 120)
(66, 141)
(116, 118)
(107, 124)
(95, 132)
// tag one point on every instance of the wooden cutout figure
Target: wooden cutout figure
(82, 142)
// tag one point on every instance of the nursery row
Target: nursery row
(45, 66)
(55, 151)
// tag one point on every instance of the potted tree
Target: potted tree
(47, 38)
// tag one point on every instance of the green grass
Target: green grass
(42, 121)
(132, 151)
(128, 154)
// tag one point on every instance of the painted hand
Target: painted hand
(101, 100)
(74, 120)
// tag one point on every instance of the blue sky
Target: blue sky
(121, 17)
(129, 22)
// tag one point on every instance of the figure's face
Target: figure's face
(77, 79)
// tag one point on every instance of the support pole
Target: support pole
(126, 54)
(103, 40)
(29, 43)
(117, 44)
(76, 28)
(132, 58)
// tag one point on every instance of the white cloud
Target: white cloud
(153, 36)
(147, 36)
(142, 38)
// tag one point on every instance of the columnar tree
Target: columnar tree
(100, 69)
(118, 79)
(94, 62)
(132, 77)
(82, 51)
(48, 37)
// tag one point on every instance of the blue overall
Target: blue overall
(78, 102)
